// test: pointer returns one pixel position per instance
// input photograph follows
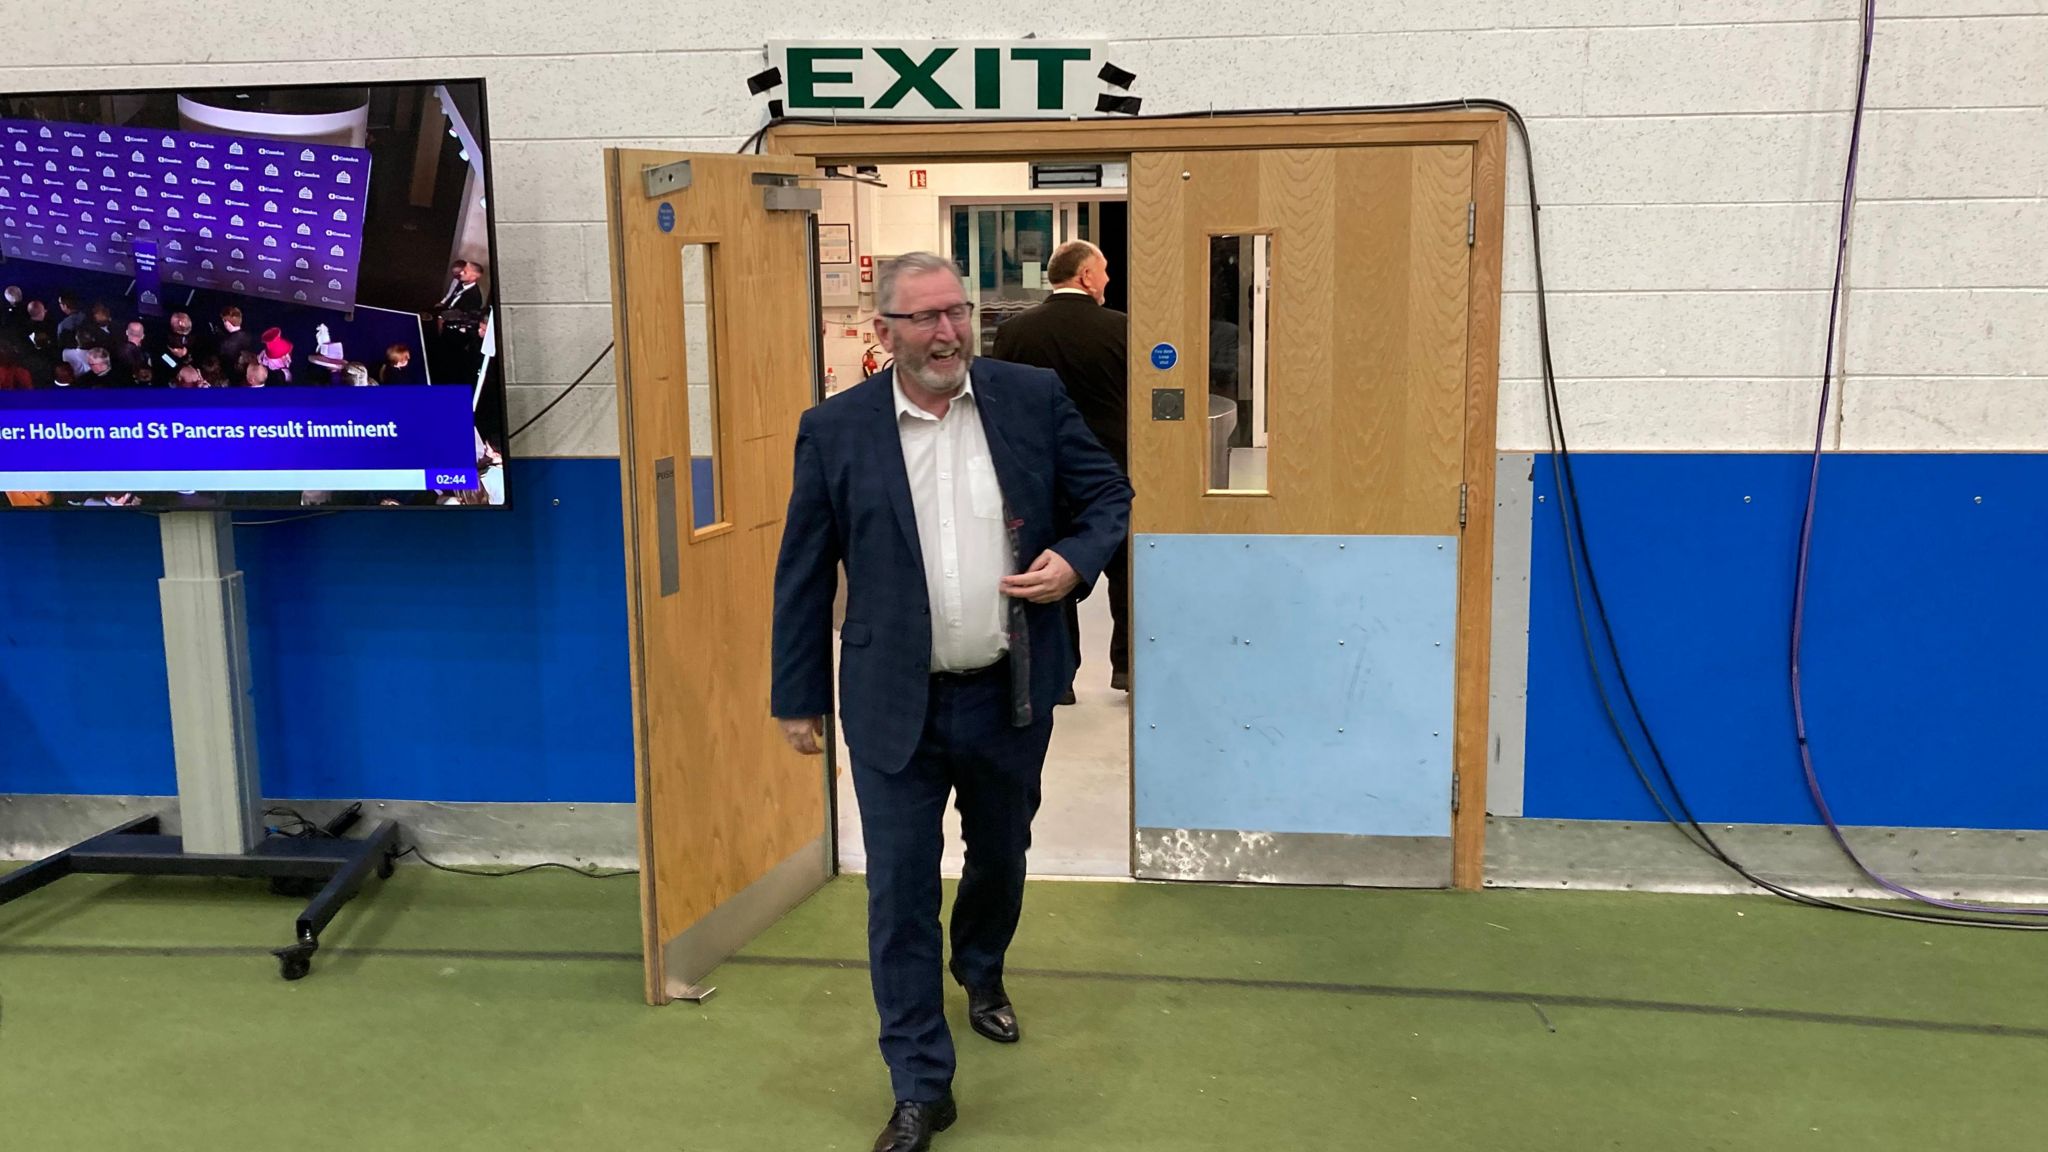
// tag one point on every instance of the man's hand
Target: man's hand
(1049, 579)
(804, 734)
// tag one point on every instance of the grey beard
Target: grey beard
(921, 376)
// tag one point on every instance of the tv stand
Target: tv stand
(213, 737)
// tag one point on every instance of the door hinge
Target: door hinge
(1455, 780)
(1464, 490)
(1471, 222)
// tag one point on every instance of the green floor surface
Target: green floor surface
(452, 1013)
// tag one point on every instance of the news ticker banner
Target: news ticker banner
(260, 217)
(401, 438)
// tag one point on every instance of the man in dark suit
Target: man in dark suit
(464, 294)
(234, 343)
(1088, 345)
(966, 503)
(133, 353)
(455, 351)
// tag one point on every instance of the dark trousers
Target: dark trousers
(968, 749)
(1117, 574)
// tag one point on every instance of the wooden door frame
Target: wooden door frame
(1484, 131)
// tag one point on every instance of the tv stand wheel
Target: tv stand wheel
(295, 962)
(386, 866)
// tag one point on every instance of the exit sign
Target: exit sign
(929, 79)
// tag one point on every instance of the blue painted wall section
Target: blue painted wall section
(1924, 656)
(482, 655)
(703, 492)
(1295, 683)
(475, 655)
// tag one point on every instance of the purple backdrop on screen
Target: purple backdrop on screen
(271, 218)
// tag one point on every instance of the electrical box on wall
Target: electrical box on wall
(838, 287)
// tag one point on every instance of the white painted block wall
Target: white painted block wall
(1690, 153)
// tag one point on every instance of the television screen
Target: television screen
(249, 298)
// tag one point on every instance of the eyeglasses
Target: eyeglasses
(959, 314)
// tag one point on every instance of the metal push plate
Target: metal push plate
(1168, 404)
(666, 544)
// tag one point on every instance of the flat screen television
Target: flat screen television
(250, 297)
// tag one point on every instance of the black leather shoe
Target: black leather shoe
(1067, 697)
(1120, 681)
(990, 1013)
(912, 1124)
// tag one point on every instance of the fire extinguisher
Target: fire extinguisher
(868, 364)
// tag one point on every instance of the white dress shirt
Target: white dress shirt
(959, 529)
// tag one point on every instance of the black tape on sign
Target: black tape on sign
(1116, 77)
(760, 82)
(1127, 105)
(775, 109)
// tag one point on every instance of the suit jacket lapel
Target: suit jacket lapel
(894, 476)
(995, 414)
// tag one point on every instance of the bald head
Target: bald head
(1079, 264)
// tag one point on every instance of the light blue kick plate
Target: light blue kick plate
(1295, 683)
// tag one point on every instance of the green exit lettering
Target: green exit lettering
(804, 77)
(820, 79)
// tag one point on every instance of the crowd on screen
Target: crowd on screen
(70, 343)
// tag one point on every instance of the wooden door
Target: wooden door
(713, 313)
(1299, 332)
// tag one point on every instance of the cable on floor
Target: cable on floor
(295, 825)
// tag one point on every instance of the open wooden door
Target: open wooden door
(713, 307)
(1299, 329)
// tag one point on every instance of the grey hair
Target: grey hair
(908, 264)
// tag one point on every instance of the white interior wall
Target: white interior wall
(1690, 152)
(899, 218)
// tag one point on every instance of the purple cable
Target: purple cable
(1812, 495)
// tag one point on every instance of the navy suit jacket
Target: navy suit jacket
(851, 504)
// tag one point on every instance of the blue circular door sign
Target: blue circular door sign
(1165, 356)
(666, 214)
